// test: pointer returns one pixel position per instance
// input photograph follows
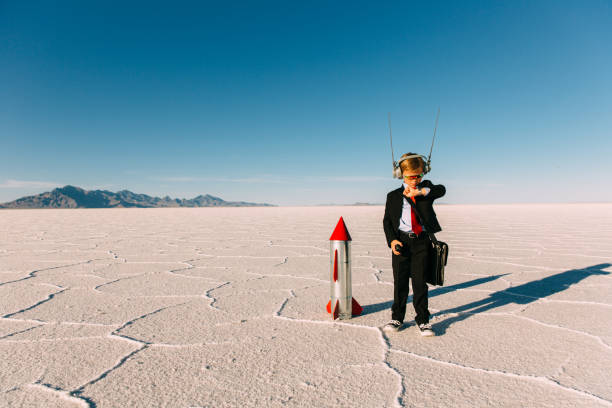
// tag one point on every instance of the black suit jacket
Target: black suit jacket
(424, 206)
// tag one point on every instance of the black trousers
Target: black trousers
(412, 263)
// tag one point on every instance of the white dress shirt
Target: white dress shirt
(406, 220)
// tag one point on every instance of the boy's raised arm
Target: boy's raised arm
(435, 190)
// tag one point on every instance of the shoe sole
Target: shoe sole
(427, 334)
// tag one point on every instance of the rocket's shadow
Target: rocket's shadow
(520, 295)
(377, 307)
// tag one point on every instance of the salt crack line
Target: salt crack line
(546, 300)
(539, 268)
(189, 266)
(51, 296)
(96, 288)
(123, 337)
(188, 262)
(88, 275)
(187, 276)
(323, 322)
(383, 339)
(130, 322)
(212, 299)
(604, 257)
(175, 272)
(77, 393)
(33, 273)
(286, 276)
(12, 319)
(437, 315)
(252, 256)
(52, 285)
(57, 339)
(282, 306)
(20, 331)
(597, 338)
(298, 246)
(164, 296)
(83, 324)
(190, 345)
(575, 302)
(385, 363)
(542, 380)
(387, 350)
(63, 394)
(115, 334)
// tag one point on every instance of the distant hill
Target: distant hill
(364, 204)
(348, 205)
(75, 197)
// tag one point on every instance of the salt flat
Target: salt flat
(216, 307)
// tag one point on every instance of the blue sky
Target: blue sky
(286, 102)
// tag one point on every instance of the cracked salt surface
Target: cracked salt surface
(226, 307)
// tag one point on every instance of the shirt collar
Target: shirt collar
(405, 186)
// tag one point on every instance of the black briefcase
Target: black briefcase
(437, 261)
(437, 256)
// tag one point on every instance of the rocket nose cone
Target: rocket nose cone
(340, 232)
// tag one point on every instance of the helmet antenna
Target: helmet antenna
(434, 137)
(391, 140)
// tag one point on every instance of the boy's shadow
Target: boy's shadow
(377, 307)
(521, 295)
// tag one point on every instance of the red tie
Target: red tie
(416, 227)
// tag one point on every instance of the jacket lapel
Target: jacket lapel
(398, 205)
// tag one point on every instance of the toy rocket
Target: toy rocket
(342, 305)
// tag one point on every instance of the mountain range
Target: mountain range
(75, 197)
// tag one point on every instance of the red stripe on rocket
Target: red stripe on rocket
(336, 265)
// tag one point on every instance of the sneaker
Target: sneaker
(393, 325)
(426, 330)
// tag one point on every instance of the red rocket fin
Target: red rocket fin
(355, 306)
(357, 309)
(336, 311)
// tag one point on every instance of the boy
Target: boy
(408, 240)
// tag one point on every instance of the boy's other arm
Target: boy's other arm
(388, 224)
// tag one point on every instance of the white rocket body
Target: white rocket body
(341, 305)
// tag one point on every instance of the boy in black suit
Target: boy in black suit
(407, 237)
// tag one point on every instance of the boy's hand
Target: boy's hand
(393, 244)
(408, 192)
